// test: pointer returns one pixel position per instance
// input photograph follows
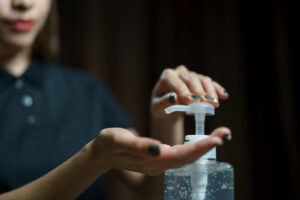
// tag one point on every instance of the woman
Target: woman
(48, 113)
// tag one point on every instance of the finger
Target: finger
(191, 80)
(193, 83)
(222, 93)
(218, 137)
(184, 95)
(181, 68)
(160, 103)
(179, 155)
(137, 146)
(222, 132)
(170, 81)
(183, 153)
(211, 95)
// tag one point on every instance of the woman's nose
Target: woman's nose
(22, 5)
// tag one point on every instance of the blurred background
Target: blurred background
(248, 46)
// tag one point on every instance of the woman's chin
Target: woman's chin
(19, 42)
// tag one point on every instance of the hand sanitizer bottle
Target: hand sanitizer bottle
(205, 179)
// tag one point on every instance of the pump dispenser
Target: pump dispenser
(199, 110)
(205, 179)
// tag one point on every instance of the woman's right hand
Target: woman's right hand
(117, 148)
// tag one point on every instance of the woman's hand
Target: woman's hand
(116, 148)
(181, 86)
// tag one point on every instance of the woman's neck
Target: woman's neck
(18, 62)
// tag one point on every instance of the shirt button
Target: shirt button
(19, 84)
(27, 101)
(31, 120)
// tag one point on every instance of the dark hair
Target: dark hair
(47, 41)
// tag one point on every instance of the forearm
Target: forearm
(169, 130)
(67, 181)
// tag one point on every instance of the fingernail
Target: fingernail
(154, 150)
(225, 92)
(172, 97)
(226, 139)
(208, 97)
(195, 97)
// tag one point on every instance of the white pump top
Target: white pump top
(199, 110)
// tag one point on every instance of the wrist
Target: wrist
(168, 129)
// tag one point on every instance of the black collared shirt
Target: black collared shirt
(46, 116)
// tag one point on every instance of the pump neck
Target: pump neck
(199, 122)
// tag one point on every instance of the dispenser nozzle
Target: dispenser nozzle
(198, 109)
(175, 108)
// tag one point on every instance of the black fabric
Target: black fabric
(46, 116)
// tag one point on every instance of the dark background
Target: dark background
(248, 46)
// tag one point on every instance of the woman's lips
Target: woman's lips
(22, 25)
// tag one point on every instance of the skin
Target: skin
(15, 46)
(113, 148)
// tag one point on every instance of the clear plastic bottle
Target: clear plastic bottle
(205, 179)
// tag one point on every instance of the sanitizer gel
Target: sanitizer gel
(205, 179)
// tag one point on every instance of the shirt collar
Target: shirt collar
(34, 73)
(5, 77)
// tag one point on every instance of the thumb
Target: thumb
(219, 136)
(160, 103)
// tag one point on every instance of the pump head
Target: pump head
(198, 109)
(193, 108)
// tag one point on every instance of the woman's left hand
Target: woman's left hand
(181, 86)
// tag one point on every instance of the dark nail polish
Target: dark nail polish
(154, 150)
(195, 97)
(226, 139)
(225, 92)
(208, 97)
(172, 97)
